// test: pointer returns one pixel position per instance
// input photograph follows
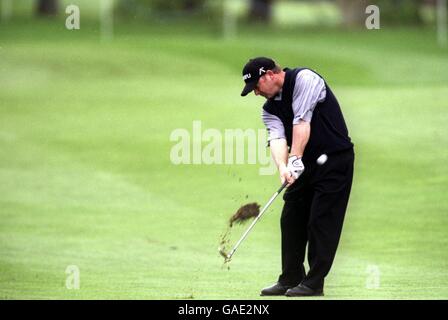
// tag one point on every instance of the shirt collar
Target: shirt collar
(279, 95)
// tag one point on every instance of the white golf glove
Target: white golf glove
(295, 166)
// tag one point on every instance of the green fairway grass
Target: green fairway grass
(86, 177)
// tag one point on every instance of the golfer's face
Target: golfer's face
(266, 87)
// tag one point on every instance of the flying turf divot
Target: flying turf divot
(244, 213)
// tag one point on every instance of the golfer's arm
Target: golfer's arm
(279, 152)
(300, 137)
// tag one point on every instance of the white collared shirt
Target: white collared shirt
(309, 90)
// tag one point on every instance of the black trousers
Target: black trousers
(313, 214)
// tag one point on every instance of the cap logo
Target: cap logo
(261, 71)
(246, 76)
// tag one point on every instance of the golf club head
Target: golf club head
(222, 253)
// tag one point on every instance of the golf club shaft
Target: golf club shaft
(257, 218)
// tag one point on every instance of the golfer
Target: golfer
(304, 121)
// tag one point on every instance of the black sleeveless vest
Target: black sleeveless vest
(329, 132)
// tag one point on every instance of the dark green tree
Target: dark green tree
(145, 7)
(260, 11)
(47, 7)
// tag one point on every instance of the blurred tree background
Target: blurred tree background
(347, 13)
(393, 12)
(47, 7)
(351, 13)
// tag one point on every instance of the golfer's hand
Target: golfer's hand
(295, 166)
(285, 175)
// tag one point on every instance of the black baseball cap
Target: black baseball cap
(254, 70)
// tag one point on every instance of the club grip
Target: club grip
(283, 186)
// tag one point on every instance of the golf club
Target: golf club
(230, 254)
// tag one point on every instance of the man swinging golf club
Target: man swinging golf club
(304, 121)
